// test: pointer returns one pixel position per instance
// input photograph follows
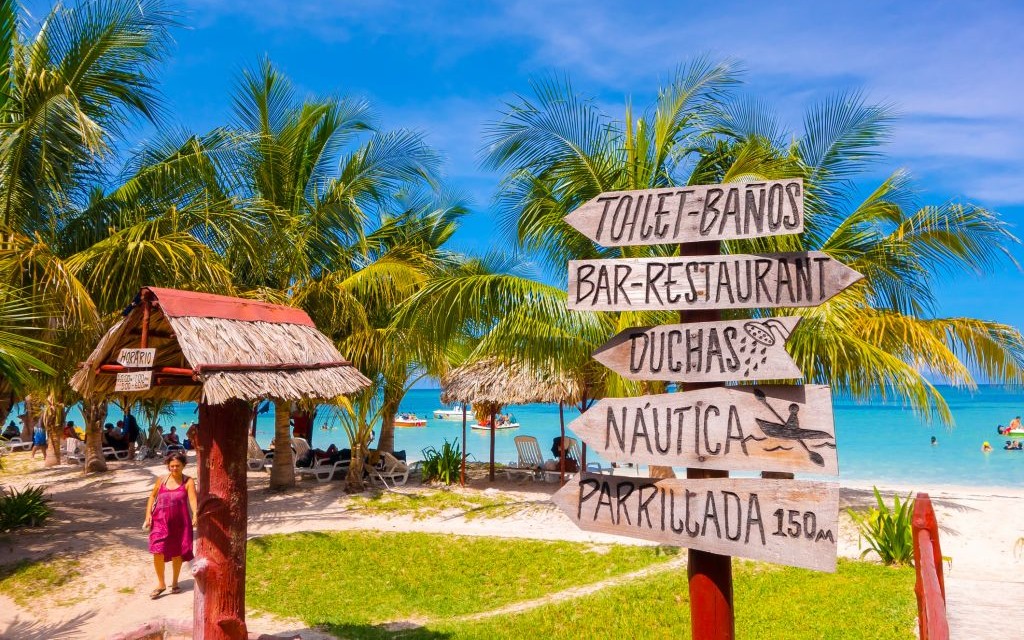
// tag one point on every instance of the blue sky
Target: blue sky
(953, 70)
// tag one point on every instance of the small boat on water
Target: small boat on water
(455, 413)
(501, 423)
(409, 420)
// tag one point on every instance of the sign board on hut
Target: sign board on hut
(137, 358)
(726, 351)
(134, 381)
(770, 428)
(692, 214)
(788, 522)
(739, 281)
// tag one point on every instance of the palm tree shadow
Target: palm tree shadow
(389, 631)
(36, 630)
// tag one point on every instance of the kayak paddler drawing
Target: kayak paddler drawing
(789, 428)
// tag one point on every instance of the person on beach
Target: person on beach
(172, 437)
(12, 431)
(171, 513)
(38, 440)
(190, 436)
(131, 432)
(70, 431)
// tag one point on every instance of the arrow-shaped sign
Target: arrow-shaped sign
(707, 282)
(770, 428)
(692, 214)
(789, 522)
(727, 351)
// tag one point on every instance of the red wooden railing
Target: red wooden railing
(930, 586)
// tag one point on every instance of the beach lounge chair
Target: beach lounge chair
(389, 468)
(531, 460)
(323, 471)
(15, 444)
(577, 455)
(117, 454)
(74, 451)
(257, 460)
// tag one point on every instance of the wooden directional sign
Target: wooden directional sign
(707, 282)
(134, 381)
(789, 522)
(757, 428)
(692, 214)
(140, 358)
(726, 351)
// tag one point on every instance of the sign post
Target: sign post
(705, 427)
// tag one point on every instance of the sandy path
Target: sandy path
(99, 523)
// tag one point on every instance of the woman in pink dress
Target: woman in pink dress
(170, 522)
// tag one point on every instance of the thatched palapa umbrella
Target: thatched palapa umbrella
(223, 353)
(495, 383)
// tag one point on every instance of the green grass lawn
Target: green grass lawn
(351, 582)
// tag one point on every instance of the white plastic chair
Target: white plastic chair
(257, 460)
(576, 455)
(389, 468)
(531, 460)
(74, 451)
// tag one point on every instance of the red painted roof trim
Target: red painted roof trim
(179, 304)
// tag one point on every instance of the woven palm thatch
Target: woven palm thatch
(234, 354)
(498, 382)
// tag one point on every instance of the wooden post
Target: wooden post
(494, 411)
(710, 574)
(462, 477)
(219, 568)
(561, 446)
(930, 586)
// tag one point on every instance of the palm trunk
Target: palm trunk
(354, 479)
(94, 412)
(386, 441)
(282, 472)
(53, 423)
(28, 420)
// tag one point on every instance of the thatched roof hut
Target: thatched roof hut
(212, 348)
(500, 382)
(495, 383)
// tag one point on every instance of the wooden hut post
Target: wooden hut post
(494, 411)
(462, 476)
(561, 446)
(219, 609)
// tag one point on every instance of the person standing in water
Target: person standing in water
(935, 441)
(170, 522)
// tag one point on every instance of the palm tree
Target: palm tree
(326, 190)
(558, 151)
(70, 91)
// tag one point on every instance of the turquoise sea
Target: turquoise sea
(878, 442)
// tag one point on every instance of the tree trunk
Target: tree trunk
(392, 401)
(354, 479)
(219, 570)
(282, 472)
(28, 420)
(94, 412)
(53, 423)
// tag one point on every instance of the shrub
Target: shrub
(889, 532)
(444, 465)
(27, 508)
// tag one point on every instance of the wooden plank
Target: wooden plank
(724, 351)
(134, 381)
(756, 428)
(739, 281)
(692, 214)
(137, 358)
(790, 522)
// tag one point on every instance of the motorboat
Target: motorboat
(498, 424)
(455, 413)
(409, 420)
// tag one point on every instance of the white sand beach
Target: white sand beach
(98, 521)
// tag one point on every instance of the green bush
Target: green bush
(28, 508)
(444, 465)
(889, 532)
